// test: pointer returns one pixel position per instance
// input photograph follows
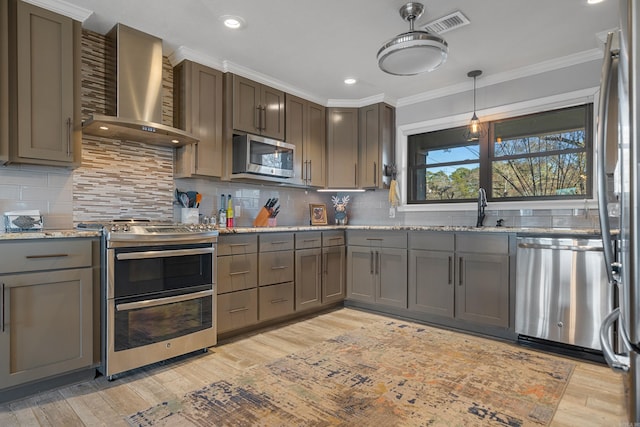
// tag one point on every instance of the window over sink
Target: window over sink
(541, 156)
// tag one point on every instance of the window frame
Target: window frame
(487, 159)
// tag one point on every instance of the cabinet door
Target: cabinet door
(46, 111)
(275, 267)
(391, 270)
(360, 274)
(368, 134)
(272, 106)
(308, 278)
(482, 288)
(333, 276)
(315, 145)
(246, 102)
(295, 127)
(4, 82)
(431, 282)
(46, 324)
(342, 148)
(198, 98)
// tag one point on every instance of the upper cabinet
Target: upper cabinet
(306, 129)
(376, 133)
(342, 147)
(198, 96)
(44, 77)
(258, 109)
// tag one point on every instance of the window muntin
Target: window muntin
(535, 157)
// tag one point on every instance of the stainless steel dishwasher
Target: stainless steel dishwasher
(562, 293)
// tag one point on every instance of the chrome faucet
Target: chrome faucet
(482, 203)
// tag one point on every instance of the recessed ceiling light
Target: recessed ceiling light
(594, 1)
(350, 81)
(104, 128)
(232, 21)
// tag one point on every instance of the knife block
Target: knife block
(262, 219)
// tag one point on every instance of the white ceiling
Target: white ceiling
(309, 47)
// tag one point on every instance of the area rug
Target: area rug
(390, 373)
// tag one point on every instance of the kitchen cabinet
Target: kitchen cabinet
(4, 82)
(258, 109)
(464, 276)
(308, 283)
(198, 100)
(320, 268)
(376, 133)
(44, 77)
(237, 281)
(306, 129)
(377, 267)
(342, 147)
(275, 275)
(333, 266)
(46, 320)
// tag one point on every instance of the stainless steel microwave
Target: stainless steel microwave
(263, 156)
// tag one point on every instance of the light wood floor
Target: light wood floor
(594, 396)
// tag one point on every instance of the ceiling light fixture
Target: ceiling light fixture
(350, 81)
(232, 21)
(413, 52)
(474, 130)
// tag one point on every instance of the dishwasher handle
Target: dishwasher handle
(576, 248)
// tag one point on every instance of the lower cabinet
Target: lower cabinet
(45, 324)
(275, 275)
(308, 278)
(333, 274)
(462, 276)
(275, 301)
(377, 267)
(237, 310)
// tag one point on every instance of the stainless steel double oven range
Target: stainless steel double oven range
(159, 292)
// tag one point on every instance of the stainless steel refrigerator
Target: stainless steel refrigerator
(618, 194)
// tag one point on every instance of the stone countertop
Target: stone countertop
(520, 231)
(50, 234)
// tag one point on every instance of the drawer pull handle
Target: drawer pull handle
(279, 267)
(239, 244)
(235, 273)
(46, 256)
(375, 238)
(238, 310)
(311, 240)
(335, 238)
(280, 242)
(278, 300)
(2, 308)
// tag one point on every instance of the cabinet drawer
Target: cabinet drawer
(237, 244)
(237, 272)
(380, 239)
(432, 241)
(482, 242)
(237, 310)
(44, 254)
(333, 238)
(275, 267)
(311, 239)
(275, 301)
(276, 242)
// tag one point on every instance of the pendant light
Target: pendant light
(413, 52)
(475, 129)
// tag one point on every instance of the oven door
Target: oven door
(145, 331)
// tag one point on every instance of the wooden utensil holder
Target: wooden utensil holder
(262, 219)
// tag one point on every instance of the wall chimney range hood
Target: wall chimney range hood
(134, 99)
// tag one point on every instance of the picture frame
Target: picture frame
(318, 213)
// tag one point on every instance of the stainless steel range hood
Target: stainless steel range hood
(134, 99)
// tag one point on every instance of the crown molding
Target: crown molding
(63, 8)
(490, 80)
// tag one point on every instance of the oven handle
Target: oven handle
(164, 254)
(162, 301)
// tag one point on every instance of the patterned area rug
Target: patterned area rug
(387, 374)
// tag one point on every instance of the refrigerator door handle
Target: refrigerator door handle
(601, 144)
(617, 362)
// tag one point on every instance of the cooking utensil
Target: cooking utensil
(198, 199)
(184, 200)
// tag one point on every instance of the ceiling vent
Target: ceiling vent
(447, 23)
